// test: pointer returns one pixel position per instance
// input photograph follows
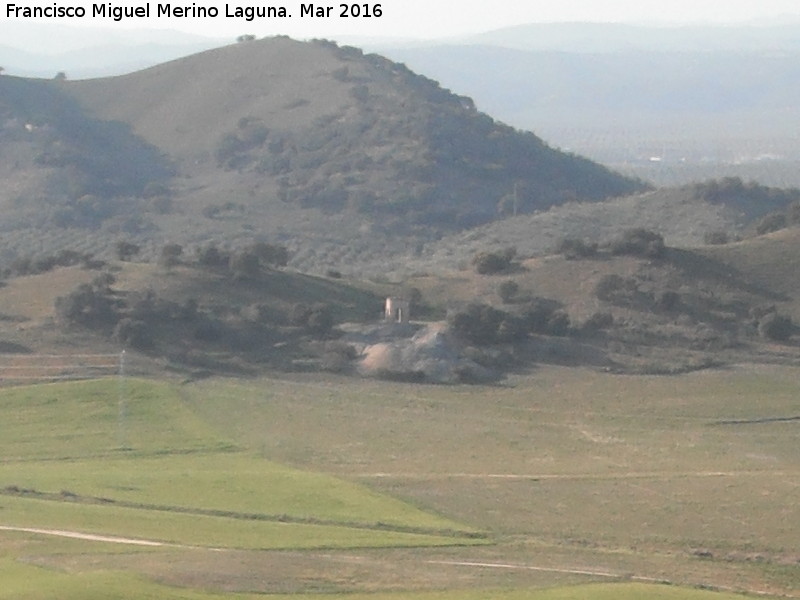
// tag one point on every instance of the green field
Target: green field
(317, 484)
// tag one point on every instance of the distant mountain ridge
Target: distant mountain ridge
(31, 49)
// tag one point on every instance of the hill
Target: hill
(315, 146)
(63, 169)
(685, 216)
(332, 128)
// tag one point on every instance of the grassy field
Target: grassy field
(176, 481)
(316, 484)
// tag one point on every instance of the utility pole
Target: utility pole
(122, 408)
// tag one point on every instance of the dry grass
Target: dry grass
(770, 260)
(568, 469)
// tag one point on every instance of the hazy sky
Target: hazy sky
(440, 18)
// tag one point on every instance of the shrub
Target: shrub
(86, 306)
(667, 300)
(126, 250)
(771, 222)
(573, 248)
(212, 257)
(317, 319)
(597, 322)
(558, 324)
(508, 291)
(776, 327)
(489, 263)
(299, 314)
(271, 255)
(609, 286)
(482, 325)
(320, 320)
(478, 323)
(639, 242)
(170, 255)
(716, 238)
(793, 213)
(209, 330)
(537, 314)
(133, 333)
(245, 265)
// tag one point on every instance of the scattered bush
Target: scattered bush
(716, 238)
(170, 255)
(317, 319)
(573, 248)
(558, 324)
(212, 257)
(538, 314)
(478, 323)
(133, 333)
(86, 306)
(639, 242)
(667, 300)
(482, 325)
(244, 265)
(776, 327)
(610, 286)
(508, 290)
(33, 265)
(320, 322)
(598, 322)
(793, 213)
(126, 250)
(771, 222)
(490, 263)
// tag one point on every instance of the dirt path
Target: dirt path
(571, 476)
(85, 536)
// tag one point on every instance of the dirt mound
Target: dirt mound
(428, 353)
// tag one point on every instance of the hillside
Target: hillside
(189, 315)
(769, 261)
(324, 149)
(61, 168)
(686, 216)
(630, 306)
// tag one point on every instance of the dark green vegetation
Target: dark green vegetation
(237, 313)
(564, 479)
(63, 168)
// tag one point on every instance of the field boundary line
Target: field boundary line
(510, 566)
(591, 573)
(453, 534)
(574, 476)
